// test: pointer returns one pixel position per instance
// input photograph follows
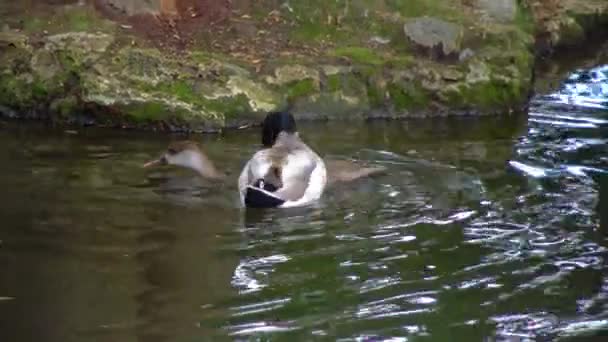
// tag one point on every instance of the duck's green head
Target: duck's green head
(275, 123)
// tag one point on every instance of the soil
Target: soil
(227, 27)
(217, 26)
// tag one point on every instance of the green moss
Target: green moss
(12, 91)
(571, 34)
(18, 93)
(64, 107)
(375, 95)
(590, 22)
(344, 22)
(409, 96)
(67, 19)
(347, 22)
(202, 57)
(359, 55)
(79, 20)
(333, 82)
(400, 61)
(491, 95)
(524, 20)
(300, 89)
(66, 60)
(316, 20)
(230, 107)
(207, 57)
(487, 95)
(147, 111)
(353, 86)
(315, 32)
(182, 90)
(227, 106)
(26, 91)
(435, 8)
(35, 24)
(39, 91)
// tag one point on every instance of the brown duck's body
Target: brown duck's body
(348, 171)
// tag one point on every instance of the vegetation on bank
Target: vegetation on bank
(341, 59)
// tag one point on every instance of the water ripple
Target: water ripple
(472, 232)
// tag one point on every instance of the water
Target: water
(483, 229)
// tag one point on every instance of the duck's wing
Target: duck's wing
(296, 174)
(347, 171)
(254, 169)
(244, 181)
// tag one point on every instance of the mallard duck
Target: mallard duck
(285, 173)
(188, 154)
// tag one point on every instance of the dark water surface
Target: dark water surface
(483, 229)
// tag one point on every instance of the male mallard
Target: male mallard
(286, 173)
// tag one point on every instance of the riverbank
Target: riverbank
(204, 66)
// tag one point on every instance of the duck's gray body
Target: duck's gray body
(288, 174)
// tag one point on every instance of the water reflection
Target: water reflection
(480, 229)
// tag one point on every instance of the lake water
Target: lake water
(483, 229)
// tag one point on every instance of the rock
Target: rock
(452, 75)
(80, 41)
(439, 37)
(45, 65)
(501, 10)
(133, 7)
(260, 98)
(13, 39)
(8, 112)
(291, 73)
(465, 54)
(82, 47)
(379, 40)
(144, 65)
(64, 106)
(478, 72)
(330, 70)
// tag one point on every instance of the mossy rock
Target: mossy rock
(351, 59)
(407, 96)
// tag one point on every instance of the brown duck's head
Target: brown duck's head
(186, 154)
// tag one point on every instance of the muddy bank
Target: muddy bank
(198, 65)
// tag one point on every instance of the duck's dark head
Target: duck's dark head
(275, 123)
